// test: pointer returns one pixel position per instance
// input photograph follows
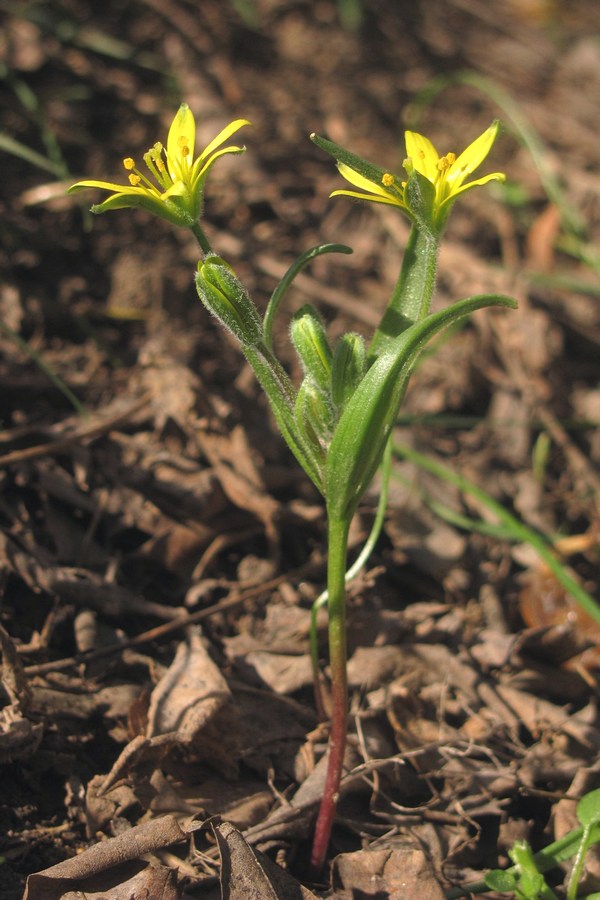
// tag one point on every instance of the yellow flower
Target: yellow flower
(446, 173)
(175, 189)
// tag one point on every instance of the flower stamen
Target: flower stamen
(444, 162)
(183, 146)
(156, 166)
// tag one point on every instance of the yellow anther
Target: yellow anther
(183, 145)
(129, 163)
(388, 180)
(134, 180)
(154, 153)
(446, 161)
(160, 165)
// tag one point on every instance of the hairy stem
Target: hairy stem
(336, 572)
(412, 294)
(201, 238)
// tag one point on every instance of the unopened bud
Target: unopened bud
(347, 368)
(314, 415)
(310, 340)
(225, 297)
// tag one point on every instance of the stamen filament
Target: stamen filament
(157, 167)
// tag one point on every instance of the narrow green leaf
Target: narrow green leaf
(284, 285)
(364, 168)
(364, 427)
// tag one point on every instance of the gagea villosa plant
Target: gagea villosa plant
(338, 420)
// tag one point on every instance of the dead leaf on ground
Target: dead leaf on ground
(114, 868)
(247, 874)
(401, 873)
(183, 713)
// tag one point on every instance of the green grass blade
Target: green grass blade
(513, 526)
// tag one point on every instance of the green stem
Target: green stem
(414, 289)
(201, 238)
(336, 571)
(358, 564)
(578, 864)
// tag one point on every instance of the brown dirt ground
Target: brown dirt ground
(175, 497)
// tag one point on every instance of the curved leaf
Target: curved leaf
(364, 427)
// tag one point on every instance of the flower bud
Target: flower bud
(314, 415)
(347, 368)
(310, 340)
(225, 297)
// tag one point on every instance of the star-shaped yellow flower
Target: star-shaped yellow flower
(175, 189)
(446, 173)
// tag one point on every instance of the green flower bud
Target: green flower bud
(314, 415)
(308, 336)
(347, 368)
(225, 297)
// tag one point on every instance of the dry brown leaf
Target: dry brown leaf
(189, 695)
(539, 715)
(248, 875)
(402, 873)
(114, 868)
(284, 673)
(233, 461)
(183, 706)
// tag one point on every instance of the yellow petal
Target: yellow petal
(182, 134)
(202, 164)
(471, 158)
(360, 181)
(423, 154)
(495, 176)
(223, 135)
(373, 198)
(103, 185)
